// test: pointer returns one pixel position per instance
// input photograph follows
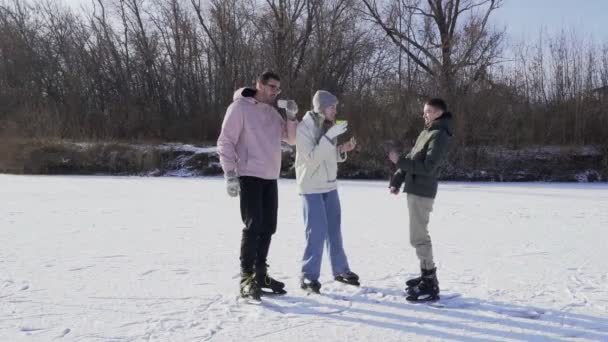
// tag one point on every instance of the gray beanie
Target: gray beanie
(322, 100)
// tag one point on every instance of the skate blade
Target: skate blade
(249, 300)
(279, 292)
(351, 283)
(422, 299)
(411, 291)
(310, 291)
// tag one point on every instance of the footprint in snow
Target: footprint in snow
(81, 268)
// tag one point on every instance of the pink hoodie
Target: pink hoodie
(250, 141)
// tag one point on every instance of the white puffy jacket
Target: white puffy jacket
(317, 157)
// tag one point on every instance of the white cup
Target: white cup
(282, 103)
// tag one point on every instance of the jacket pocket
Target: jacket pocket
(315, 171)
(321, 174)
(329, 178)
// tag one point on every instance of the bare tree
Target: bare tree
(288, 27)
(448, 39)
(157, 69)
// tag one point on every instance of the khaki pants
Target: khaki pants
(420, 209)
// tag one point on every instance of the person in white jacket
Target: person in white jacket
(317, 157)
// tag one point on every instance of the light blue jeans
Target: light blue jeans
(322, 216)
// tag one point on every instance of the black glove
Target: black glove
(397, 179)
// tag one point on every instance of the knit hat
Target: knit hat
(322, 100)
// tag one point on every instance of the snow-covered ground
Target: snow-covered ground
(156, 259)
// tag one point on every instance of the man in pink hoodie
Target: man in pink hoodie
(250, 153)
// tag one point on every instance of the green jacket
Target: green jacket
(418, 169)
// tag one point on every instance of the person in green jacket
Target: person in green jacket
(418, 170)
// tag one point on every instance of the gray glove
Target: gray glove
(336, 130)
(233, 186)
(291, 109)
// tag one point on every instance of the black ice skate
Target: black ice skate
(349, 278)
(427, 288)
(312, 286)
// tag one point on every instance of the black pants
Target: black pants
(259, 207)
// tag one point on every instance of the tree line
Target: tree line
(165, 70)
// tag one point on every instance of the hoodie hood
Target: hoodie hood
(443, 122)
(242, 93)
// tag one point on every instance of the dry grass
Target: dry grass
(54, 156)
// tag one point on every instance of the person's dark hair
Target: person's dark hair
(437, 103)
(268, 75)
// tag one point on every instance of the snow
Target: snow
(156, 259)
(197, 150)
(187, 148)
(542, 152)
(163, 147)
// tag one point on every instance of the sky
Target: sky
(523, 18)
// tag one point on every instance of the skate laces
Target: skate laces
(247, 280)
